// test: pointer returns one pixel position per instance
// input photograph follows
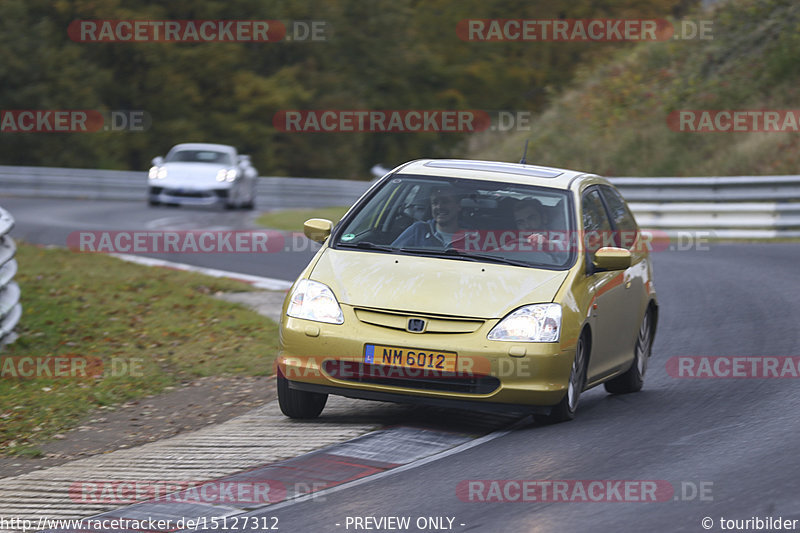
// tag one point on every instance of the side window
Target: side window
(624, 223)
(596, 225)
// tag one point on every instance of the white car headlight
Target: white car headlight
(224, 174)
(314, 301)
(157, 173)
(532, 323)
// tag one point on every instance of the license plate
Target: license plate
(378, 354)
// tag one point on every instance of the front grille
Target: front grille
(187, 194)
(464, 383)
(433, 324)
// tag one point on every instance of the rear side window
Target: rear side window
(624, 224)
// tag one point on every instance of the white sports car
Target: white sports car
(202, 174)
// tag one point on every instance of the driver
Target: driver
(443, 229)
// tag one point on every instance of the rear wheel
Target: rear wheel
(566, 408)
(633, 379)
(297, 403)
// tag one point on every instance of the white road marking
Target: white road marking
(271, 284)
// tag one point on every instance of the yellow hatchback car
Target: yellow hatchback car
(478, 284)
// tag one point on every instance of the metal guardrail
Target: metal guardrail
(758, 207)
(10, 308)
(737, 207)
(91, 184)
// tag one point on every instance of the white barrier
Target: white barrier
(10, 308)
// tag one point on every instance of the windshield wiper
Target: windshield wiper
(454, 252)
(366, 245)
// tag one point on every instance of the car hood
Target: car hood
(432, 285)
(197, 175)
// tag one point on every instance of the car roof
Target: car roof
(558, 178)
(204, 146)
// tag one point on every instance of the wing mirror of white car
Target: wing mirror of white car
(317, 229)
(611, 258)
(158, 161)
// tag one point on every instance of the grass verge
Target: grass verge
(292, 219)
(130, 330)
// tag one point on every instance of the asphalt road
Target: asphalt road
(726, 446)
(50, 221)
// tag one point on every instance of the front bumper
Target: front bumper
(184, 196)
(329, 357)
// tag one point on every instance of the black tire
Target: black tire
(565, 409)
(633, 378)
(297, 403)
(153, 203)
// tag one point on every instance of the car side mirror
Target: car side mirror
(157, 161)
(611, 258)
(317, 229)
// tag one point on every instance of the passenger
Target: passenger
(530, 219)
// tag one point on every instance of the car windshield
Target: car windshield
(199, 156)
(474, 220)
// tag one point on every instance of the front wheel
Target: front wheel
(151, 195)
(297, 403)
(633, 379)
(566, 408)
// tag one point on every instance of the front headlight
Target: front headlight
(314, 301)
(157, 172)
(532, 323)
(226, 174)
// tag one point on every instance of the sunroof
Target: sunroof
(491, 166)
